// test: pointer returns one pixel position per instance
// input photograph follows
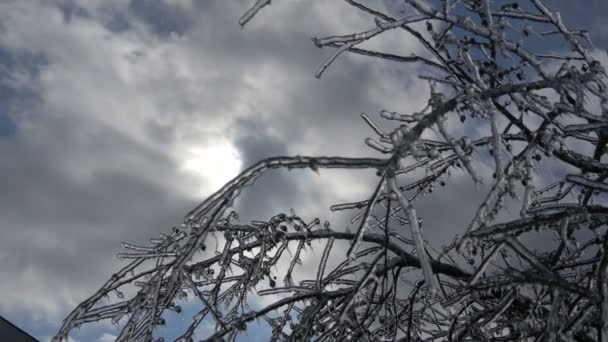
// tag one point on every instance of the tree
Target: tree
(486, 67)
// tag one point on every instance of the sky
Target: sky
(118, 116)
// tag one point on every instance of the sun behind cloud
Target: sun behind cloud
(214, 165)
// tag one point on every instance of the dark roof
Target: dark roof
(10, 332)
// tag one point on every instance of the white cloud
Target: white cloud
(107, 338)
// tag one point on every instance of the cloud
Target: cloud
(108, 115)
(107, 338)
(103, 155)
(116, 108)
(165, 17)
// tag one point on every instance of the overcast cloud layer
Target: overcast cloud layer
(117, 117)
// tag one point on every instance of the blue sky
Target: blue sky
(118, 116)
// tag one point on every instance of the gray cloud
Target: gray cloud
(113, 95)
(56, 228)
(163, 17)
(97, 160)
(19, 86)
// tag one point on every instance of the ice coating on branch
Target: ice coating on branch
(259, 4)
(418, 239)
(365, 221)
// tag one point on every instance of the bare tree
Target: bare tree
(485, 67)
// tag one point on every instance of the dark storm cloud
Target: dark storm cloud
(163, 17)
(59, 232)
(70, 9)
(104, 197)
(19, 89)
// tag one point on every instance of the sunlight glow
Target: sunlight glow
(214, 165)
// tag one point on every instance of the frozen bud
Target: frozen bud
(466, 141)
(379, 22)
(396, 137)
(376, 145)
(387, 115)
(596, 67)
(418, 153)
(404, 129)
(228, 236)
(433, 153)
